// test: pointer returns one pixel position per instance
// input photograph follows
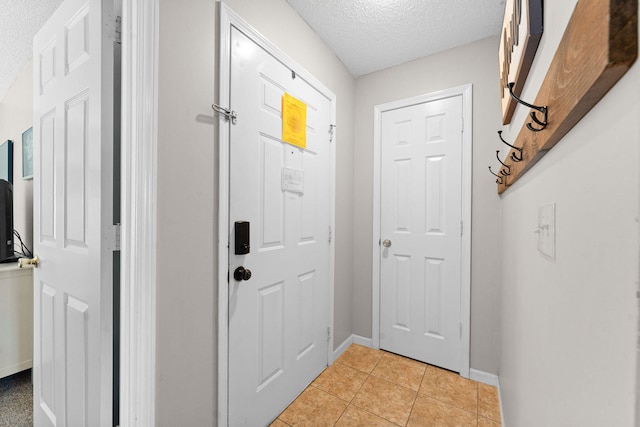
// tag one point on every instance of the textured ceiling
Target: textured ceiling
(20, 20)
(367, 35)
(370, 35)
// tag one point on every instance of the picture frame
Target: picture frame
(522, 30)
(27, 154)
(6, 161)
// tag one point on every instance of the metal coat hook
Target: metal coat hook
(533, 116)
(516, 158)
(508, 171)
(499, 180)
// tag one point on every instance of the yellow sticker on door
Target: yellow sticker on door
(294, 121)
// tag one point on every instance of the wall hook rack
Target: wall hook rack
(499, 180)
(533, 116)
(591, 58)
(506, 172)
(515, 157)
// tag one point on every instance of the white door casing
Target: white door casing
(279, 321)
(138, 218)
(74, 234)
(422, 207)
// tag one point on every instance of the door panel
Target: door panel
(279, 318)
(420, 215)
(73, 161)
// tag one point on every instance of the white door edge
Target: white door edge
(229, 18)
(466, 91)
(138, 249)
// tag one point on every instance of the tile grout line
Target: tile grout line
(349, 403)
(451, 404)
(477, 404)
(352, 397)
(370, 374)
(417, 392)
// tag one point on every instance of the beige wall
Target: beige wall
(187, 192)
(569, 325)
(186, 258)
(476, 64)
(16, 116)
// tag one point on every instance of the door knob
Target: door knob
(386, 243)
(241, 274)
(29, 261)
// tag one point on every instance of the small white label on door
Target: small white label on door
(292, 180)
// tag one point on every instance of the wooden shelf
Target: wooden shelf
(598, 47)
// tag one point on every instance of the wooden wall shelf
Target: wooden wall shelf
(598, 47)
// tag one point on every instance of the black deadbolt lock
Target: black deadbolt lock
(241, 274)
(242, 246)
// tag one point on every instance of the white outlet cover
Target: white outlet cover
(547, 230)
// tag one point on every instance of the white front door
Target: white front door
(279, 317)
(420, 230)
(73, 211)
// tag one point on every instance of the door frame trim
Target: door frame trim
(139, 107)
(466, 91)
(229, 19)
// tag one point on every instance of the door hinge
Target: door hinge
(330, 234)
(461, 228)
(118, 236)
(228, 114)
(112, 237)
(331, 132)
(119, 29)
(461, 124)
(328, 333)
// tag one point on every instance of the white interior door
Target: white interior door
(279, 318)
(73, 211)
(420, 221)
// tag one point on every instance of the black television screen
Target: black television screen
(6, 222)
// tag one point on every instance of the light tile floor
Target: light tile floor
(366, 387)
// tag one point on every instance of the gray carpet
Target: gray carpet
(16, 394)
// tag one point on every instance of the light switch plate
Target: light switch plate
(547, 230)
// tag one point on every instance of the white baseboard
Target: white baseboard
(366, 342)
(491, 379)
(483, 377)
(353, 339)
(500, 401)
(14, 369)
(342, 348)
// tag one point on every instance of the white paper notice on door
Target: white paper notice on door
(292, 180)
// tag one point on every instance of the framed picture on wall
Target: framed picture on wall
(521, 33)
(6, 161)
(27, 154)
